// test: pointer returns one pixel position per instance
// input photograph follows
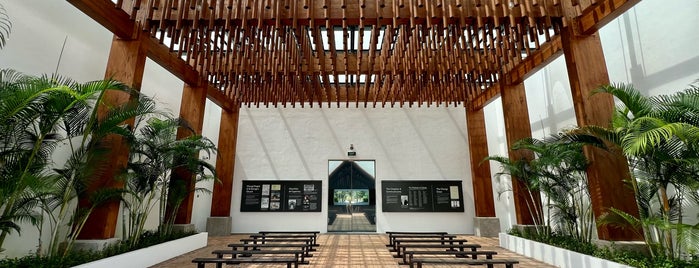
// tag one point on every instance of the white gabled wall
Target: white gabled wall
(407, 144)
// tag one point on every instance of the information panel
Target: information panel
(281, 196)
(422, 196)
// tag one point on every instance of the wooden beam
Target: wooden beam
(225, 163)
(517, 127)
(480, 170)
(520, 71)
(126, 63)
(108, 15)
(348, 13)
(192, 108)
(177, 66)
(608, 171)
(118, 22)
(596, 16)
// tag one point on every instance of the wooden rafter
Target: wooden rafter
(262, 52)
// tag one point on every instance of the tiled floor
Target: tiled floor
(348, 250)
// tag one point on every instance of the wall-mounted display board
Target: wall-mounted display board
(281, 196)
(422, 196)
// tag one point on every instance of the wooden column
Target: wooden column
(517, 127)
(227, 139)
(607, 171)
(480, 170)
(127, 60)
(192, 111)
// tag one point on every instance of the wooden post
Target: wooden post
(517, 126)
(227, 139)
(480, 170)
(192, 111)
(127, 60)
(607, 171)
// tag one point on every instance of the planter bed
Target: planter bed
(553, 255)
(154, 254)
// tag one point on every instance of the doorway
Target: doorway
(351, 196)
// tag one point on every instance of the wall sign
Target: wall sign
(281, 196)
(422, 196)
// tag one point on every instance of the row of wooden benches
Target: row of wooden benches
(267, 247)
(409, 244)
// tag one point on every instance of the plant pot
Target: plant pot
(553, 255)
(152, 255)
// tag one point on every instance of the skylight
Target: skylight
(352, 40)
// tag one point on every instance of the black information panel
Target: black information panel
(422, 196)
(280, 196)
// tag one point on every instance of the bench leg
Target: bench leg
(509, 265)
(489, 265)
(200, 265)
(219, 265)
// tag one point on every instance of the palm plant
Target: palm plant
(36, 115)
(155, 155)
(522, 170)
(30, 135)
(659, 137)
(560, 166)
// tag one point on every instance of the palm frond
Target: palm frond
(634, 102)
(5, 26)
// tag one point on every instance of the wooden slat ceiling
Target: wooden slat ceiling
(350, 52)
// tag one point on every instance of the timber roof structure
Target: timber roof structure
(352, 52)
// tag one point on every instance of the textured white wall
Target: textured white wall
(654, 46)
(407, 144)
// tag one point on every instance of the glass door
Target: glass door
(351, 196)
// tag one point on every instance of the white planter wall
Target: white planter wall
(553, 255)
(152, 255)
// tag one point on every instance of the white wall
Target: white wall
(654, 46)
(407, 144)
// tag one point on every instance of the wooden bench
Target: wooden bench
(408, 255)
(488, 262)
(392, 239)
(284, 236)
(314, 233)
(298, 254)
(392, 235)
(454, 247)
(201, 262)
(450, 241)
(245, 247)
(262, 240)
